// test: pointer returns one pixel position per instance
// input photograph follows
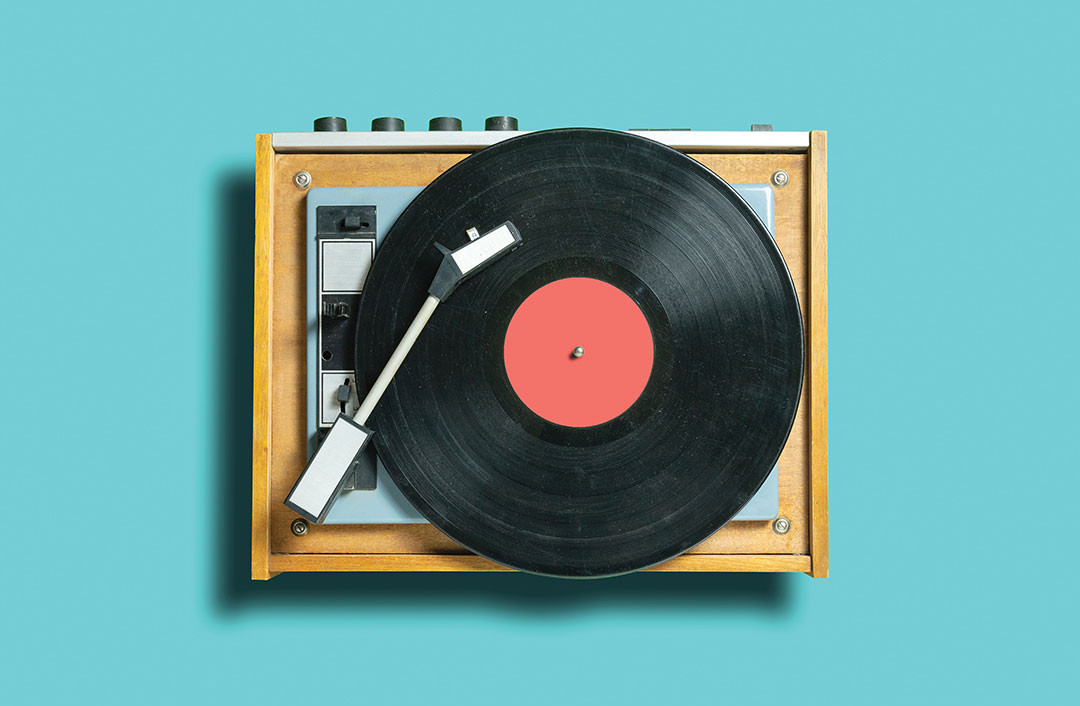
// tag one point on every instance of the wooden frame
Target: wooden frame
(278, 397)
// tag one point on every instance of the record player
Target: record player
(632, 378)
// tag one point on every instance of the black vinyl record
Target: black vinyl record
(579, 498)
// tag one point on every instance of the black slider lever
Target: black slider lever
(344, 393)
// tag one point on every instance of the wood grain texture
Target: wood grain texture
(472, 562)
(260, 436)
(287, 390)
(819, 357)
(790, 232)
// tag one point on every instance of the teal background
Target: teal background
(128, 147)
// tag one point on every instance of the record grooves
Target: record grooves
(721, 394)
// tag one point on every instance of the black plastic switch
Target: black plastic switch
(336, 310)
(331, 125)
(387, 125)
(501, 122)
(444, 124)
(353, 222)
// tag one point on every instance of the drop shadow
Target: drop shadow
(233, 590)
(234, 307)
(522, 594)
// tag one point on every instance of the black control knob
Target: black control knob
(387, 125)
(330, 125)
(444, 124)
(501, 122)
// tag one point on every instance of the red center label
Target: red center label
(578, 352)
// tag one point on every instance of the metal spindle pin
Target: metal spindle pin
(578, 352)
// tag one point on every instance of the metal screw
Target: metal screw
(780, 178)
(299, 527)
(781, 525)
(302, 180)
(578, 352)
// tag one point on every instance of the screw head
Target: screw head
(781, 525)
(780, 178)
(299, 527)
(302, 180)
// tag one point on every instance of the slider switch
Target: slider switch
(336, 310)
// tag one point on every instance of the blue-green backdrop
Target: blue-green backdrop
(126, 173)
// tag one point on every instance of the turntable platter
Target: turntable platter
(615, 391)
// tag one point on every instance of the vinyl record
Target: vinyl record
(610, 393)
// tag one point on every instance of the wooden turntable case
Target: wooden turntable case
(279, 444)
